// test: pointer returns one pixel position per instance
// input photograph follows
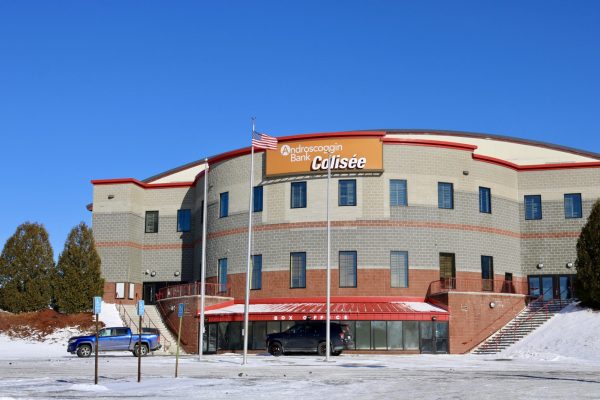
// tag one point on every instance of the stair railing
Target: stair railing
(540, 306)
(509, 311)
(168, 322)
(129, 321)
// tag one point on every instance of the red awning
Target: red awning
(340, 311)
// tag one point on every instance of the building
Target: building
(438, 237)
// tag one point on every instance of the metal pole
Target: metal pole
(203, 273)
(178, 342)
(328, 301)
(140, 351)
(96, 355)
(247, 301)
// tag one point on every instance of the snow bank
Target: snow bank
(571, 334)
(110, 315)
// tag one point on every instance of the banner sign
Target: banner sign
(312, 156)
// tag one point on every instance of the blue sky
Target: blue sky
(108, 89)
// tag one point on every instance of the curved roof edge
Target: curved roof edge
(381, 133)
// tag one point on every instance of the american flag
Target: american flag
(263, 141)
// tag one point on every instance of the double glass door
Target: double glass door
(551, 287)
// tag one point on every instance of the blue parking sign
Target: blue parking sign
(140, 307)
(180, 310)
(97, 304)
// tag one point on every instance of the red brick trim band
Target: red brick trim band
(162, 246)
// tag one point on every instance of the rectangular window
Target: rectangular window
(257, 199)
(120, 290)
(399, 269)
(256, 281)
(224, 205)
(131, 294)
(447, 270)
(151, 221)
(347, 268)
(298, 195)
(533, 207)
(573, 205)
(298, 270)
(445, 195)
(487, 273)
(398, 196)
(347, 192)
(485, 200)
(184, 220)
(222, 275)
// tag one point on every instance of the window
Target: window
(184, 220)
(573, 205)
(533, 207)
(347, 268)
(485, 200)
(151, 221)
(298, 195)
(120, 290)
(347, 192)
(298, 270)
(222, 275)
(398, 195)
(399, 269)
(131, 294)
(257, 199)
(487, 273)
(256, 281)
(447, 270)
(224, 205)
(445, 195)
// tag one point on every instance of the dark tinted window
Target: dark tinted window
(184, 220)
(151, 221)
(533, 207)
(573, 205)
(298, 199)
(445, 195)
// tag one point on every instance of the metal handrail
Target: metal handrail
(194, 289)
(509, 311)
(445, 285)
(535, 313)
(130, 321)
(169, 323)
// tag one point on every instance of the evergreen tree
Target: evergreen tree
(78, 277)
(587, 284)
(26, 270)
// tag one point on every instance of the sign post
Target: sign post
(97, 309)
(180, 315)
(140, 312)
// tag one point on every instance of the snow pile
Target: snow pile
(571, 334)
(109, 315)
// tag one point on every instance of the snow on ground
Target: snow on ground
(571, 334)
(109, 315)
(560, 360)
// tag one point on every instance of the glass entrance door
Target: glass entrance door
(551, 287)
(434, 337)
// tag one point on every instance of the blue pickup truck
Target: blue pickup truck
(114, 339)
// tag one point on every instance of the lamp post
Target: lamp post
(328, 297)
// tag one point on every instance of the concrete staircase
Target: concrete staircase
(528, 320)
(152, 319)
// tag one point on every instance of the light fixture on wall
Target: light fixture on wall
(569, 264)
(111, 196)
(540, 266)
(147, 272)
(153, 273)
(492, 304)
(176, 273)
(434, 318)
(465, 172)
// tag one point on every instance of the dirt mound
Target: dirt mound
(37, 325)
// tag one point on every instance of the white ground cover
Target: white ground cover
(558, 361)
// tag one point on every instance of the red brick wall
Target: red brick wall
(110, 293)
(472, 319)
(190, 321)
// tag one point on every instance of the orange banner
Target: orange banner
(312, 156)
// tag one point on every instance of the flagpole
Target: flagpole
(247, 301)
(203, 273)
(328, 299)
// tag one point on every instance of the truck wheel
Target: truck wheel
(322, 348)
(276, 349)
(144, 350)
(85, 350)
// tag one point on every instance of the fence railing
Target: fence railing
(146, 323)
(193, 289)
(445, 285)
